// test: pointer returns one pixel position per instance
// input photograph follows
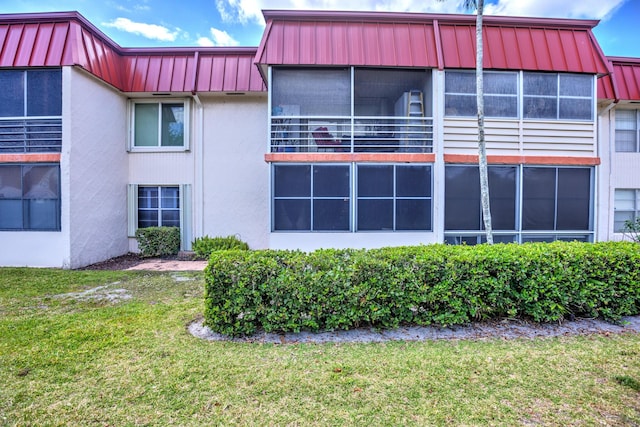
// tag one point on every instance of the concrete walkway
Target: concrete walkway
(156, 264)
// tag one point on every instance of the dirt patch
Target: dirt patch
(505, 329)
(105, 293)
(123, 262)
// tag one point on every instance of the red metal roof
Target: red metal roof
(624, 84)
(68, 39)
(428, 40)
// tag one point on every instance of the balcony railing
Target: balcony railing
(31, 135)
(298, 134)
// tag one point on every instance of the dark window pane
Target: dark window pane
(170, 198)
(460, 105)
(331, 181)
(460, 82)
(172, 125)
(502, 192)
(331, 215)
(500, 83)
(538, 238)
(540, 108)
(538, 210)
(147, 218)
(314, 92)
(576, 85)
(413, 214)
(292, 215)
(10, 182)
(292, 181)
(413, 181)
(42, 214)
(41, 182)
(577, 109)
(10, 214)
(462, 198)
(375, 215)
(44, 92)
(375, 181)
(12, 93)
(171, 218)
(501, 106)
(574, 198)
(148, 197)
(540, 84)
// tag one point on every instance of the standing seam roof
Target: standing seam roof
(68, 39)
(429, 40)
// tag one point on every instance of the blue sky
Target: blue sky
(147, 23)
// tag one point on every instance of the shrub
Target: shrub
(158, 241)
(632, 230)
(203, 246)
(332, 289)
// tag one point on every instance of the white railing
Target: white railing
(351, 134)
(41, 135)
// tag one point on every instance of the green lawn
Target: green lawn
(69, 361)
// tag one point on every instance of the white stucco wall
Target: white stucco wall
(34, 249)
(235, 198)
(96, 127)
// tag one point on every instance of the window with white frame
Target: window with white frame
(158, 206)
(500, 94)
(626, 208)
(160, 124)
(627, 137)
(30, 197)
(557, 96)
(31, 110)
(394, 197)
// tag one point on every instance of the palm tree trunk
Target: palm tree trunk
(482, 148)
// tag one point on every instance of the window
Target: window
(500, 94)
(30, 110)
(311, 198)
(463, 210)
(30, 197)
(527, 203)
(556, 198)
(627, 139)
(626, 208)
(159, 124)
(557, 96)
(158, 206)
(394, 197)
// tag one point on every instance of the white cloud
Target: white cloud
(150, 31)
(250, 11)
(218, 38)
(587, 9)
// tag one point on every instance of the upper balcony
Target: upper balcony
(350, 110)
(385, 134)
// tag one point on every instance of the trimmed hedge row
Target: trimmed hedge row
(158, 241)
(435, 284)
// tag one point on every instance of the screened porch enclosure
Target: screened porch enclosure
(351, 110)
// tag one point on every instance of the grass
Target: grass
(65, 360)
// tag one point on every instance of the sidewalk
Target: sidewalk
(156, 264)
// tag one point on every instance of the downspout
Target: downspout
(602, 114)
(198, 194)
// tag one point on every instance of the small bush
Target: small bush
(632, 230)
(203, 246)
(158, 241)
(275, 290)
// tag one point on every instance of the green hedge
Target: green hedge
(158, 241)
(270, 290)
(203, 246)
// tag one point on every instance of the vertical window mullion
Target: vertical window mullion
(557, 110)
(159, 206)
(555, 203)
(394, 196)
(159, 124)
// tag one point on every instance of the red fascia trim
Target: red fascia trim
(350, 157)
(30, 158)
(525, 160)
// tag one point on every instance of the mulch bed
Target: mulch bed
(118, 263)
